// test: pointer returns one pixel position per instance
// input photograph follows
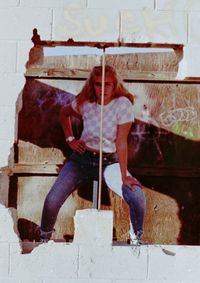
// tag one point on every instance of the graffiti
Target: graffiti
(171, 117)
(49, 99)
(186, 131)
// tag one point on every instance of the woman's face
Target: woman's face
(108, 88)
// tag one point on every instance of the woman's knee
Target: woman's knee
(135, 193)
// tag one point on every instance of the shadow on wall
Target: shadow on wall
(150, 148)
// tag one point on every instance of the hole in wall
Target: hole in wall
(163, 142)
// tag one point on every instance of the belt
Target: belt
(97, 154)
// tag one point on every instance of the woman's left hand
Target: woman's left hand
(130, 181)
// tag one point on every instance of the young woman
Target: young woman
(83, 164)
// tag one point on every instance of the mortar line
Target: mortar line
(9, 260)
(188, 24)
(148, 262)
(17, 57)
(120, 26)
(52, 22)
(155, 5)
(78, 262)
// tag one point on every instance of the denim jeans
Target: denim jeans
(80, 168)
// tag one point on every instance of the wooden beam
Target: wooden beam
(101, 45)
(53, 169)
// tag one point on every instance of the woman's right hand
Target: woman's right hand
(77, 145)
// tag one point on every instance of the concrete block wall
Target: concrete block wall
(93, 262)
(159, 21)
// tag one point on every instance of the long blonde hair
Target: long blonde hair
(88, 93)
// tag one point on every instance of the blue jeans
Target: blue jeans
(80, 168)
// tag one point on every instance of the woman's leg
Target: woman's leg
(65, 184)
(136, 201)
(137, 205)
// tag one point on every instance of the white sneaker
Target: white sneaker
(135, 242)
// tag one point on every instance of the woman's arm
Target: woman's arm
(65, 119)
(122, 151)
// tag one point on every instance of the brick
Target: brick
(8, 51)
(18, 23)
(7, 122)
(7, 3)
(121, 262)
(4, 259)
(178, 5)
(99, 232)
(191, 61)
(52, 260)
(53, 3)
(86, 24)
(10, 87)
(9, 280)
(125, 4)
(194, 36)
(174, 263)
(146, 26)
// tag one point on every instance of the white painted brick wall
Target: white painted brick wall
(7, 3)
(131, 20)
(7, 130)
(4, 259)
(10, 87)
(18, 23)
(114, 262)
(8, 63)
(194, 20)
(177, 266)
(71, 263)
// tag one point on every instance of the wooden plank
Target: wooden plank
(47, 73)
(53, 169)
(29, 153)
(155, 66)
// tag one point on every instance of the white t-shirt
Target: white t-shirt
(117, 112)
